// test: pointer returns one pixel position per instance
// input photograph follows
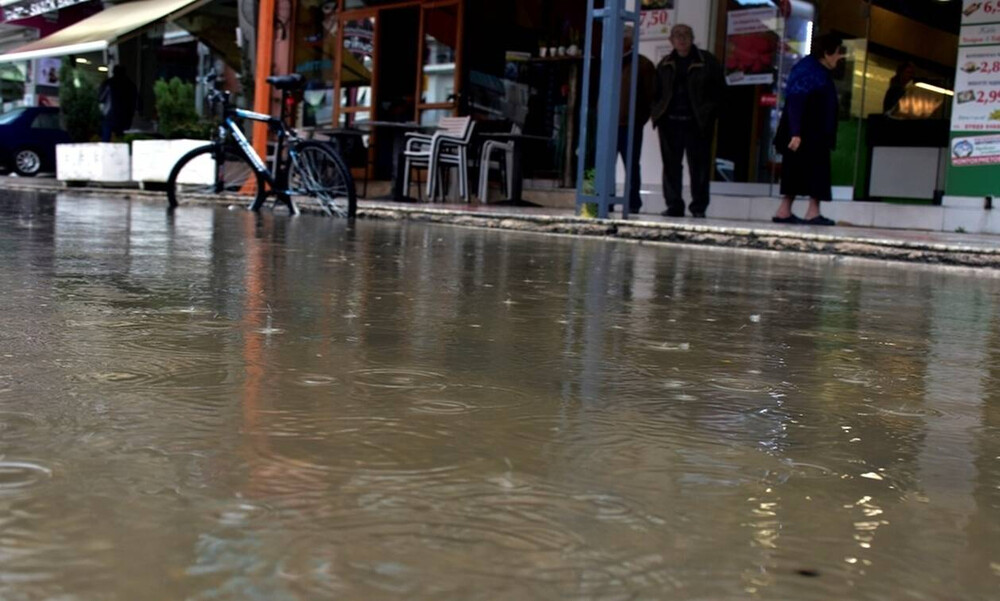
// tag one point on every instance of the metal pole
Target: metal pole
(633, 18)
(607, 104)
(612, 18)
(588, 53)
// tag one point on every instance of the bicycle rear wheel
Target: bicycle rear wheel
(211, 173)
(319, 174)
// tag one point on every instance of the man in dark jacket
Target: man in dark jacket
(690, 86)
(118, 99)
(645, 88)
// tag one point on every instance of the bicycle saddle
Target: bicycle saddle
(287, 82)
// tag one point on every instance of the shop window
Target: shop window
(357, 70)
(891, 36)
(438, 62)
(314, 53)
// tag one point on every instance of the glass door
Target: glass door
(438, 76)
(356, 73)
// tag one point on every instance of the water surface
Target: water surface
(219, 406)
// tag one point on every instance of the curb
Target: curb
(757, 238)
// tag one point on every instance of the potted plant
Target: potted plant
(87, 159)
(574, 42)
(180, 126)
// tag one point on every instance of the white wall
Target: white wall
(699, 15)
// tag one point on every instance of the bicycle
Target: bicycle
(229, 167)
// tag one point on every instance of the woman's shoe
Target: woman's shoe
(820, 220)
(790, 219)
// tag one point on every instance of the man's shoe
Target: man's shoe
(793, 219)
(698, 214)
(673, 213)
(820, 220)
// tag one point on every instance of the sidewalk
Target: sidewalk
(973, 250)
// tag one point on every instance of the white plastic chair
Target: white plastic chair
(485, 164)
(449, 146)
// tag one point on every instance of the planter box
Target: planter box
(95, 162)
(152, 160)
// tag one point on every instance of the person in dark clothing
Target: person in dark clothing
(807, 133)
(644, 90)
(905, 74)
(689, 91)
(118, 98)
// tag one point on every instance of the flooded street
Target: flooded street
(221, 406)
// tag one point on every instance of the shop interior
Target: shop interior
(417, 61)
(896, 92)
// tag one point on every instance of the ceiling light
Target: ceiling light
(927, 86)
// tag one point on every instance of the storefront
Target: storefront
(151, 39)
(896, 94)
(420, 60)
(34, 82)
(361, 60)
(504, 62)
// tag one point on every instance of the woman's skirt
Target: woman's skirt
(807, 173)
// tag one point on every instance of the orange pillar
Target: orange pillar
(265, 58)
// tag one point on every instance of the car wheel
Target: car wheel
(27, 162)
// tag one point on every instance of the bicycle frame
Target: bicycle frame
(276, 179)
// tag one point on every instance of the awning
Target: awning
(96, 33)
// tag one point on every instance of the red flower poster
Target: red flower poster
(752, 44)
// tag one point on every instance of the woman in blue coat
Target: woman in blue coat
(807, 133)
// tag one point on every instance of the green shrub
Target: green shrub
(589, 209)
(175, 110)
(78, 101)
(590, 182)
(129, 138)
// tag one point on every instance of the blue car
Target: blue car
(28, 138)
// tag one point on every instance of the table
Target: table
(517, 182)
(399, 130)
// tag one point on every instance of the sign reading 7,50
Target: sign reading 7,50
(654, 18)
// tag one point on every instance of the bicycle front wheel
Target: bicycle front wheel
(213, 173)
(319, 174)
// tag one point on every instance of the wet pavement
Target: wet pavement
(216, 405)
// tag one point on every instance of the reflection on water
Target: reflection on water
(216, 406)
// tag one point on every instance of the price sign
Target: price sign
(991, 97)
(977, 89)
(655, 24)
(980, 35)
(980, 11)
(975, 116)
